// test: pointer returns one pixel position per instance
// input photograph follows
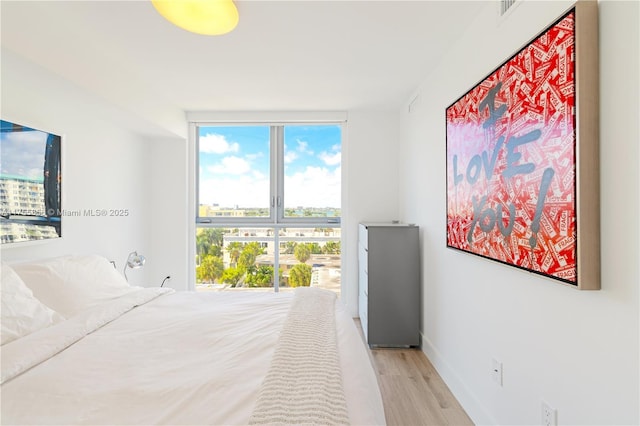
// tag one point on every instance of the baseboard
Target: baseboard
(465, 397)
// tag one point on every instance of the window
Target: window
(234, 168)
(268, 205)
(312, 173)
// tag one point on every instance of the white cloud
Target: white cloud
(23, 153)
(314, 187)
(289, 157)
(258, 175)
(255, 155)
(229, 191)
(330, 159)
(217, 144)
(303, 146)
(231, 166)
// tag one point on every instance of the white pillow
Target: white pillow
(70, 284)
(22, 313)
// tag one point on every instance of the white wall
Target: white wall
(370, 185)
(105, 166)
(168, 216)
(576, 350)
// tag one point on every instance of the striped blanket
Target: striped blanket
(304, 383)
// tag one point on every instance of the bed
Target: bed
(81, 346)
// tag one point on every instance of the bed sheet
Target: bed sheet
(181, 358)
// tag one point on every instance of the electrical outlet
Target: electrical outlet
(496, 371)
(549, 415)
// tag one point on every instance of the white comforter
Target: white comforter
(180, 358)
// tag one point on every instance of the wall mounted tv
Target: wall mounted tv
(30, 184)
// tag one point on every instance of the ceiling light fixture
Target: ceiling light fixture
(206, 17)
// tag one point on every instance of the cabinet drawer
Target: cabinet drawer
(363, 313)
(363, 282)
(363, 303)
(363, 236)
(364, 322)
(363, 259)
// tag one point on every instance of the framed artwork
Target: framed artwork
(522, 157)
(30, 184)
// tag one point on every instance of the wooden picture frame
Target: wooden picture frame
(523, 157)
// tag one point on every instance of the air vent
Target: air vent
(505, 5)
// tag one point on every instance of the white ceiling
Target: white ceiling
(283, 55)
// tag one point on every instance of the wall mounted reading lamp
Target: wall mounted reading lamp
(134, 261)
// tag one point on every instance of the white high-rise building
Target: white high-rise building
(22, 199)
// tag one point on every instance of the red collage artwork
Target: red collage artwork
(511, 160)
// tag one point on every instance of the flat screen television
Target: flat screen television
(30, 184)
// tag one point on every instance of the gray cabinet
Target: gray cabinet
(389, 284)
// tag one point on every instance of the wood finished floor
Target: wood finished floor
(413, 393)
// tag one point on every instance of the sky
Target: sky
(22, 154)
(234, 166)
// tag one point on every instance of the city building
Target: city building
(23, 198)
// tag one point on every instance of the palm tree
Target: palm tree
(234, 248)
(210, 269)
(232, 276)
(332, 247)
(249, 254)
(302, 252)
(209, 241)
(315, 248)
(289, 247)
(300, 275)
(261, 276)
